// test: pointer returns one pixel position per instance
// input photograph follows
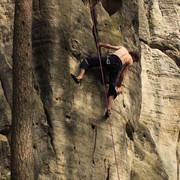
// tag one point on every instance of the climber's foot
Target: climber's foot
(76, 79)
(107, 114)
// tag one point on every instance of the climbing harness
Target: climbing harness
(108, 61)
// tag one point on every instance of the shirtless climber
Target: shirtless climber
(119, 60)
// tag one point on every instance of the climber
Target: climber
(116, 64)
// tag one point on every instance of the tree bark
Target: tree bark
(22, 167)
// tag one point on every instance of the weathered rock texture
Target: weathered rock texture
(71, 138)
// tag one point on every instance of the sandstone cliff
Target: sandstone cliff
(71, 138)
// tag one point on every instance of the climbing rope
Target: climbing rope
(105, 92)
(104, 29)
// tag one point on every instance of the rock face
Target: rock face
(71, 138)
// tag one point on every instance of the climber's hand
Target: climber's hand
(99, 44)
(118, 90)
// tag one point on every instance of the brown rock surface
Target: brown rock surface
(71, 138)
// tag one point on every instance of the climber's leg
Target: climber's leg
(110, 101)
(81, 74)
(112, 94)
(87, 63)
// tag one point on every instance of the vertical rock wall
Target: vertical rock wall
(71, 138)
(160, 113)
(80, 137)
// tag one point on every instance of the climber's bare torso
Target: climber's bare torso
(121, 52)
(124, 55)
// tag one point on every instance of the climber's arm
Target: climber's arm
(119, 83)
(109, 46)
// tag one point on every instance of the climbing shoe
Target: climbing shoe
(107, 114)
(76, 80)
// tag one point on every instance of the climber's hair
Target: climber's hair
(135, 56)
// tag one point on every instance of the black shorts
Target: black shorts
(113, 65)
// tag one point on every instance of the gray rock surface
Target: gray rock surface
(71, 138)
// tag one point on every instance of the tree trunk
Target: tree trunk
(21, 140)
